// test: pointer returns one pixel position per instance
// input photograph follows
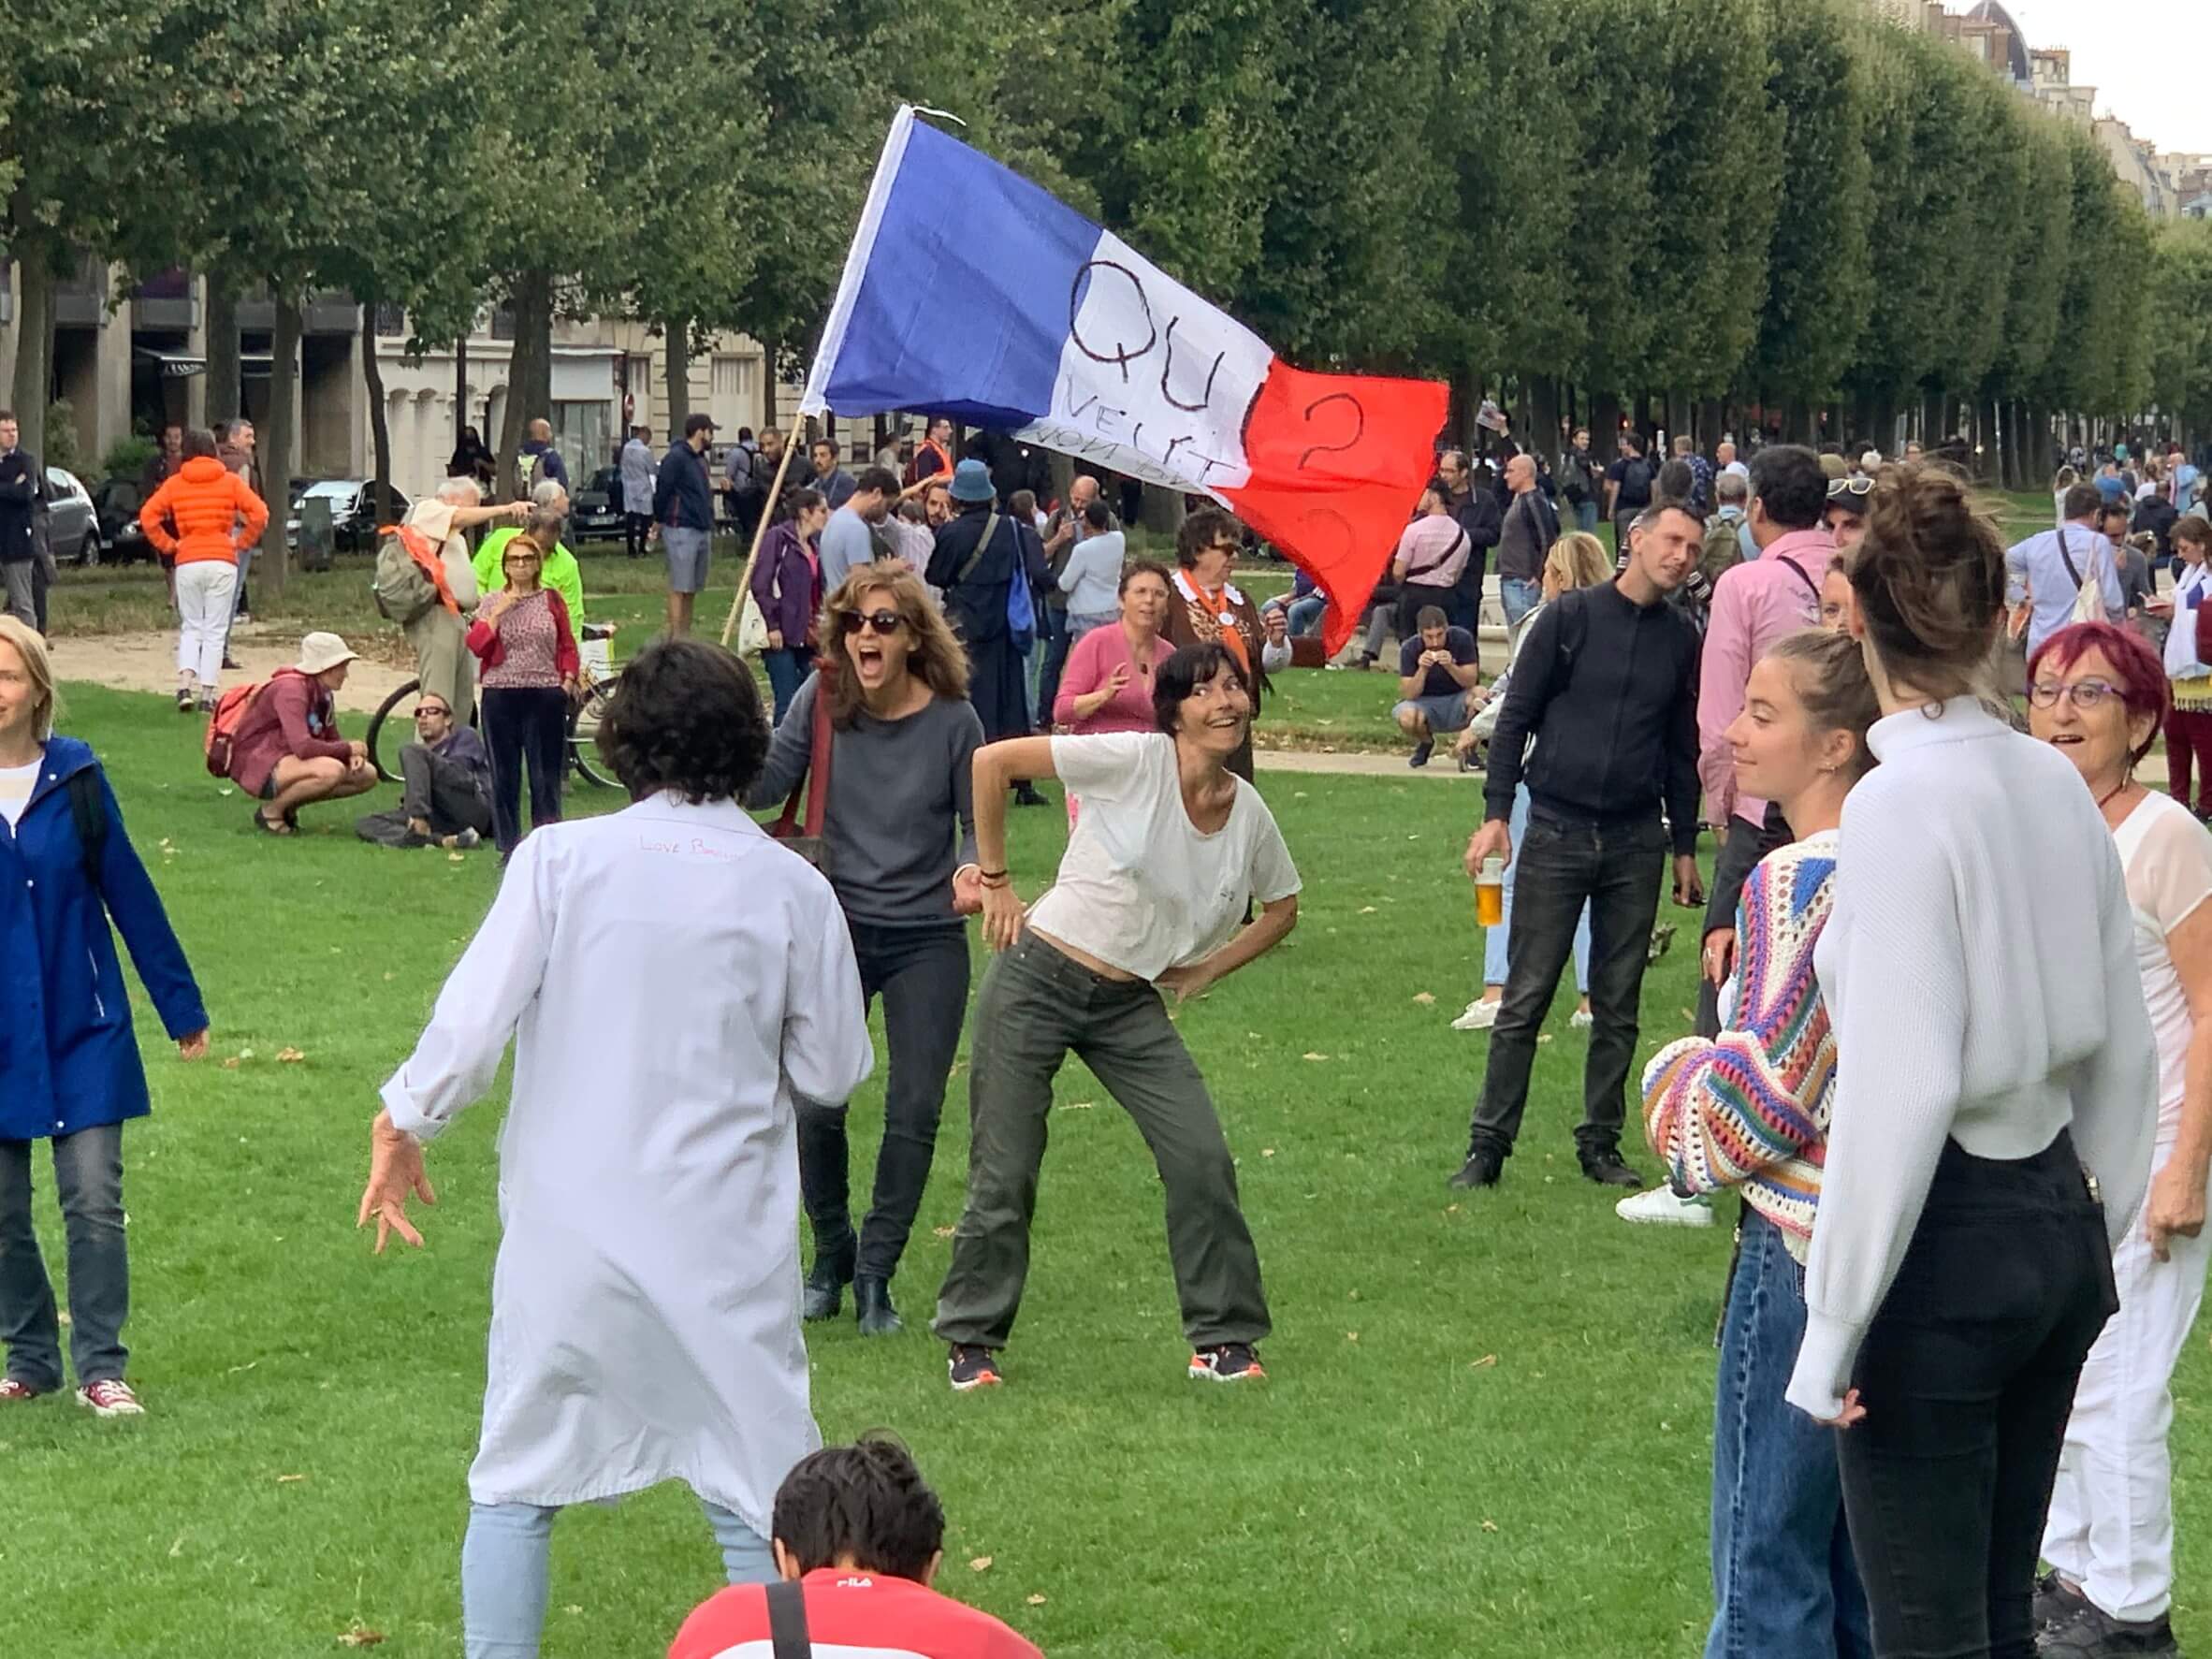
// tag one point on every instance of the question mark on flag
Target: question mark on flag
(1358, 429)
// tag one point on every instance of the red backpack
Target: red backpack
(230, 714)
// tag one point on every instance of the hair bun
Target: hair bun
(1929, 576)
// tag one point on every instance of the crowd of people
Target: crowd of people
(1945, 1046)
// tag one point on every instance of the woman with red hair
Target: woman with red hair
(2098, 694)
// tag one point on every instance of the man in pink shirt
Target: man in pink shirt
(1754, 604)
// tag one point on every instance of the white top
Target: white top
(16, 783)
(673, 981)
(1139, 887)
(1980, 973)
(2181, 639)
(1091, 578)
(2167, 856)
(434, 520)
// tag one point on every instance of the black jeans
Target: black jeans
(635, 527)
(1968, 1375)
(525, 724)
(922, 975)
(1616, 866)
(1052, 624)
(440, 792)
(1732, 865)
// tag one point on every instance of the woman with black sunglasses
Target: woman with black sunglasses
(899, 841)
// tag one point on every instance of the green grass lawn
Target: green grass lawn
(1487, 1431)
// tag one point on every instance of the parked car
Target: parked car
(595, 511)
(72, 528)
(115, 506)
(353, 519)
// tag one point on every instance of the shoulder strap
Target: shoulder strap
(990, 530)
(787, 1621)
(818, 760)
(1805, 576)
(2067, 558)
(90, 814)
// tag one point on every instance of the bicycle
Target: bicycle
(599, 676)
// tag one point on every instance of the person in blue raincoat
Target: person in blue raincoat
(69, 1067)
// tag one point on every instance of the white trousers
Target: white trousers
(204, 590)
(2111, 1526)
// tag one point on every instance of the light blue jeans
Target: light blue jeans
(506, 1580)
(1519, 596)
(1493, 941)
(1305, 615)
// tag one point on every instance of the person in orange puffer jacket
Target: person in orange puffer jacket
(200, 517)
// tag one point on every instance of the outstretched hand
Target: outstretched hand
(395, 1171)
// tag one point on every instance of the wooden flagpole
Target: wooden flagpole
(760, 530)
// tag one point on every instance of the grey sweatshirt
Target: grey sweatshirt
(901, 803)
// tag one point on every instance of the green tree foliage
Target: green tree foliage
(2180, 321)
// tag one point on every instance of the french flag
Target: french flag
(971, 293)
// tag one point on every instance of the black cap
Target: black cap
(697, 423)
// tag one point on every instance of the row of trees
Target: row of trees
(1687, 210)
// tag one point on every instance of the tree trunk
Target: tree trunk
(677, 373)
(34, 347)
(1163, 511)
(274, 564)
(1543, 433)
(222, 365)
(380, 425)
(1797, 422)
(1605, 428)
(460, 389)
(529, 371)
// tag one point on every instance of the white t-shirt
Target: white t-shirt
(16, 785)
(434, 518)
(2166, 855)
(1140, 888)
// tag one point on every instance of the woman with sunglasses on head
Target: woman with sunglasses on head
(900, 834)
(1207, 609)
(2096, 692)
(1979, 972)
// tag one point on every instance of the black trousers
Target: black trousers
(1732, 865)
(635, 527)
(442, 793)
(524, 724)
(1616, 866)
(1968, 1375)
(922, 975)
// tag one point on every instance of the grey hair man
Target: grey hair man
(442, 660)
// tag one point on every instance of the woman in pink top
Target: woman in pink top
(1107, 684)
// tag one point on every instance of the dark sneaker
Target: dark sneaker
(824, 1291)
(1482, 1169)
(185, 699)
(971, 1368)
(1607, 1170)
(871, 1301)
(2089, 1633)
(1228, 1361)
(2055, 1601)
(1027, 796)
(1421, 752)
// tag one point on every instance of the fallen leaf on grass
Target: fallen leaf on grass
(1426, 998)
(247, 1367)
(1037, 1601)
(1490, 1527)
(1078, 1105)
(982, 1563)
(1351, 1336)
(455, 858)
(572, 1610)
(1314, 1056)
(231, 1064)
(1478, 1364)
(1366, 909)
(289, 1057)
(290, 1479)
(1544, 1037)
(360, 1636)
(943, 1232)
(177, 1549)
(1267, 1152)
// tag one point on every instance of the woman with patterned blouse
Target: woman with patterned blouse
(1207, 609)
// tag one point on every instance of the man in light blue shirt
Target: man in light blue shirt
(848, 540)
(2052, 567)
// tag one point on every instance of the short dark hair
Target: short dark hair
(865, 1503)
(1099, 516)
(2081, 500)
(2114, 510)
(882, 480)
(1022, 505)
(1432, 615)
(1787, 481)
(199, 440)
(1201, 529)
(1676, 479)
(824, 443)
(797, 500)
(1181, 675)
(1146, 567)
(1631, 442)
(7, 415)
(686, 716)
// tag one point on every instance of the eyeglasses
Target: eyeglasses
(885, 622)
(2084, 694)
(1840, 488)
(433, 712)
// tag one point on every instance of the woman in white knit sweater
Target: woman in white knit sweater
(1996, 1076)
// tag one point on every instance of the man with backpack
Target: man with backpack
(538, 460)
(1579, 484)
(279, 741)
(1628, 488)
(424, 582)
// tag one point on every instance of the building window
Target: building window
(733, 377)
(391, 320)
(502, 323)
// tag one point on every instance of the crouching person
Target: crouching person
(445, 776)
(285, 752)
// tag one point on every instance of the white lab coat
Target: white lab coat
(639, 469)
(674, 980)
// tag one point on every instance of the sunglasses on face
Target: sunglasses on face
(433, 712)
(885, 622)
(2084, 694)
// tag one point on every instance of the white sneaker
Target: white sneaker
(1581, 1019)
(1481, 1016)
(1659, 1207)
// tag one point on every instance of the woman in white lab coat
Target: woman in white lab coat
(676, 981)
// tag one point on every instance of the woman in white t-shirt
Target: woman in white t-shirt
(1172, 852)
(2097, 693)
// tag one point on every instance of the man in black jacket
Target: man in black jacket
(1476, 511)
(980, 555)
(21, 490)
(1605, 684)
(683, 512)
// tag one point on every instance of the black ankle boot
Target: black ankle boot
(871, 1299)
(824, 1292)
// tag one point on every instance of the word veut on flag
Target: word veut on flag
(971, 292)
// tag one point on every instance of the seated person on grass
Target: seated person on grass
(860, 1536)
(559, 571)
(285, 752)
(446, 786)
(1437, 671)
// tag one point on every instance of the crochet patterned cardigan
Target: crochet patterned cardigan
(1750, 1109)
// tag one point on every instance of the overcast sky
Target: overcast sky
(2144, 57)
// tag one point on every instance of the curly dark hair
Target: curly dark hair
(865, 1503)
(686, 716)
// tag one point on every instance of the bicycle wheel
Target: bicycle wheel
(382, 741)
(583, 732)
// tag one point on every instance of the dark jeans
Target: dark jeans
(1615, 867)
(1054, 621)
(1968, 1375)
(922, 975)
(88, 1177)
(787, 672)
(441, 792)
(637, 527)
(525, 724)
(1732, 865)
(1038, 1006)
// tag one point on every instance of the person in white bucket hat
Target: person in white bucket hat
(284, 749)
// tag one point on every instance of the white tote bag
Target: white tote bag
(2089, 599)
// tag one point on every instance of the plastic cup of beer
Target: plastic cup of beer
(1490, 893)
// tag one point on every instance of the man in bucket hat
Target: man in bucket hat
(285, 752)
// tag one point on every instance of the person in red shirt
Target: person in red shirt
(858, 1530)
